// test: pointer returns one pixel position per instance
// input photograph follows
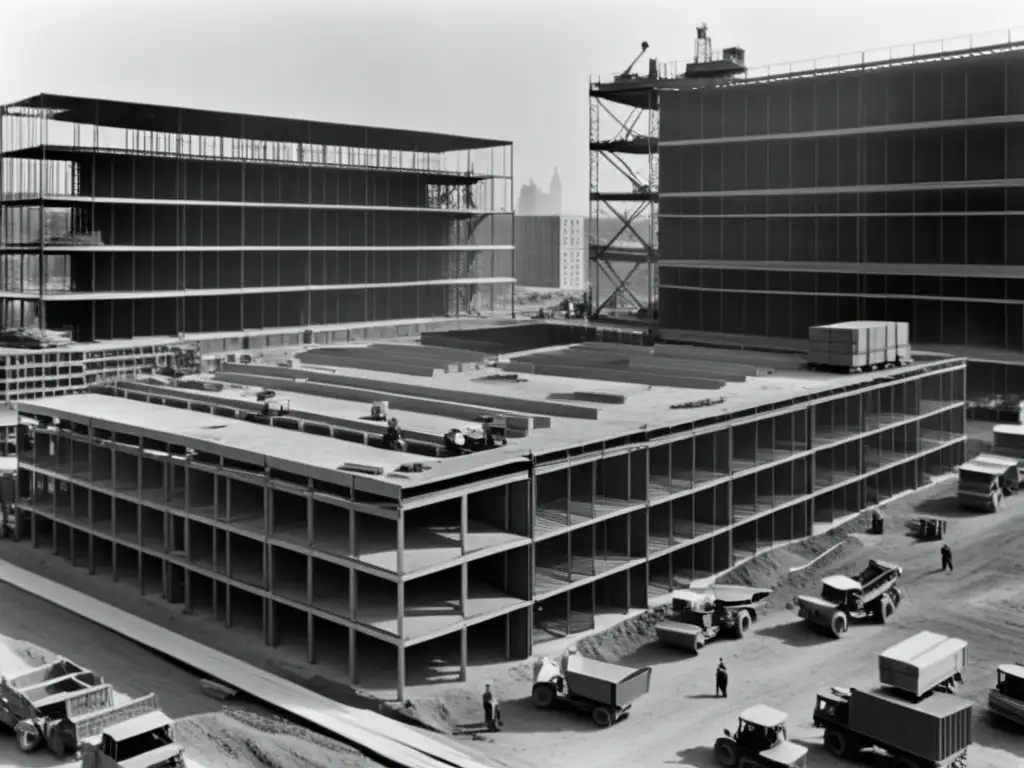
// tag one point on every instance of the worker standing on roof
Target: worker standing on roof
(721, 680)
(947, 557)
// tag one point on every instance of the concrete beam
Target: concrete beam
(629, 377)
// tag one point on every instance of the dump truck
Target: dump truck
(604, 691)
(62, 705)
(923, 664)
(760, 741)
(1006, 700)
(933, 732)
(146, 741)
(980, 486)
(1008, 441)
(699, 617)
(873, 593)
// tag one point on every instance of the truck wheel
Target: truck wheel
(602, 717)
(726, 753)
(896, 596)
(838, 625)
(698, 643)
(743, 622)
(885, 609)
(543, 696)
(836, 743)
(29, 737)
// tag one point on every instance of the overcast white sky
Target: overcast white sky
(510, 69)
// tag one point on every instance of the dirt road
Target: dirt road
(784, 665)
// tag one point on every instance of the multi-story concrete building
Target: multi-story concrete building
(237, 230)
(888, 188)
(287, 518)
(551, 252)
(572, 249)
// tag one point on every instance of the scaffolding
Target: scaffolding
(629, 104)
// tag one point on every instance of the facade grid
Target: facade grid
(127, 220)
(886, 190)
(265, 527)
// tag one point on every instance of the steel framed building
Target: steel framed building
(299, 527)
(877, 186)
(129, 220)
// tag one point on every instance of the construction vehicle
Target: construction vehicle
(697, 618)
(933, 732)
(873, 593)
(62, 705)
(471, 438)
(1008, 441)
(1006, 700)
(604, 691)
(1010, 479)
(980, 486)
(760, 740)
(923, 664)
(927, 528)
(146, 741)
(628, 74)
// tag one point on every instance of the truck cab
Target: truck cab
(760, 740)
(146, 741)
(1006, 700)
(980, 486)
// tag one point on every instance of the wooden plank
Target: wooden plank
(376, 734)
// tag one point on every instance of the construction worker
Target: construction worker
(721, 680)
(947, 557)
(492, 712)
(877, 522)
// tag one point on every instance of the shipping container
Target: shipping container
(922, 662)
(608, 684)
(935, 728)
(859, 344)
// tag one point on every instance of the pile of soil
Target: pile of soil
(239, 739)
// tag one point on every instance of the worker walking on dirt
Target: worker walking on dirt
(721, 680)
(492, 713)
(947, 557)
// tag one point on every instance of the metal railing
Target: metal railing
(979, 43)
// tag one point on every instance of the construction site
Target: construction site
(272, 498)
(139, 228)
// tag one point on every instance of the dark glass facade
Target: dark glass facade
(895, 192)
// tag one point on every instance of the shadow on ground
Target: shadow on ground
(521, 716)
(943, 506)
(796, 633)
(653, 654)
(695, 757)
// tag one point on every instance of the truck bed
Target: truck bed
(935, 728)
(92, 724)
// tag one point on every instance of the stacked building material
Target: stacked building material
(859, 344)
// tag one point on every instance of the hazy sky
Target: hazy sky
(510, 69)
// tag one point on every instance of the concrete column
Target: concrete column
(353, 666)
(268, 568)
(227, 606)
(401, 610)
(400, 543)
(353, 531)
(188, 490)
(310, 529)
(464, 650)
(463, 588)
(188, 590)
(227, 501)
(310, 639)
(401, 672)
(463, 521)
(568, 496)
(268, 508)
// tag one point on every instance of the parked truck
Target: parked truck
(604, 691)
(859, 345)
(62, 705)
(1008, 441)
(923, 664)
(698, 617)
(760, 742)
(1010, 478)
(980, 486)
(872, 593)
(1006, 700)
(934, 732)
(146, 741)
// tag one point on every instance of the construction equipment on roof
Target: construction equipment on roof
(627, 73)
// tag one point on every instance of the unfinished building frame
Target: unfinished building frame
(263, 527)
(127, 220)
(883, 187)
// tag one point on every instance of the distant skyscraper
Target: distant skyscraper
(534, 202)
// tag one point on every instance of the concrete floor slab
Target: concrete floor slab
(426, 614)
(428, 546)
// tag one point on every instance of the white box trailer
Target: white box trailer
(923, 664)
(1008, 441)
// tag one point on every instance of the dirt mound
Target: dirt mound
(771, 569)
(239, 739)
